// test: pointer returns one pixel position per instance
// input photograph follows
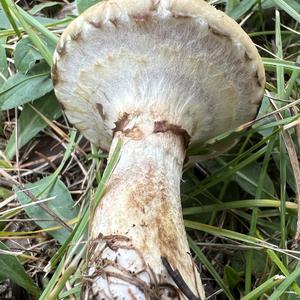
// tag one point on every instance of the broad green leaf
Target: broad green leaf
(231, 276)
(26, 55)
(21, 88)
(11, 268)
(4, 23)
(30, 123)
(231, 4)
(60, 203)
(37, 8)
(82, 5)
(241, 8)
(248, 178)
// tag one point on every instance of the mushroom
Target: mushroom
(159, 76)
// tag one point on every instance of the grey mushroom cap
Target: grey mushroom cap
(178, 61)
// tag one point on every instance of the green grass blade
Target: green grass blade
(285, 284)
(283, 4)
(265, 287)
(210, 268)
(237, 205)
(10, 17)
(274, 62)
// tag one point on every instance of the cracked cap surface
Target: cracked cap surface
(177, 61)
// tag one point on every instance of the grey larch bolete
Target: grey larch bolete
(160, 76)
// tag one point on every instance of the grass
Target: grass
(240, 209)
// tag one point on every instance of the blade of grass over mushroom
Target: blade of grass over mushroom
(210, 268)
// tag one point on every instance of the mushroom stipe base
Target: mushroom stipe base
(155, 289)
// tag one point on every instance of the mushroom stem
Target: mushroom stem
(138, 225)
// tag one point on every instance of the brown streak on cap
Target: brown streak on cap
(247, 57)
(61, 49)
(121, 123)
(256, 76)
(164, 126)
(177, 16)
(141, 17)
(99, 107)
(132, 297)
(75, 36)
(55, 76)
(95, 24)
(218, 32)
(134, 133)
(115, 22)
